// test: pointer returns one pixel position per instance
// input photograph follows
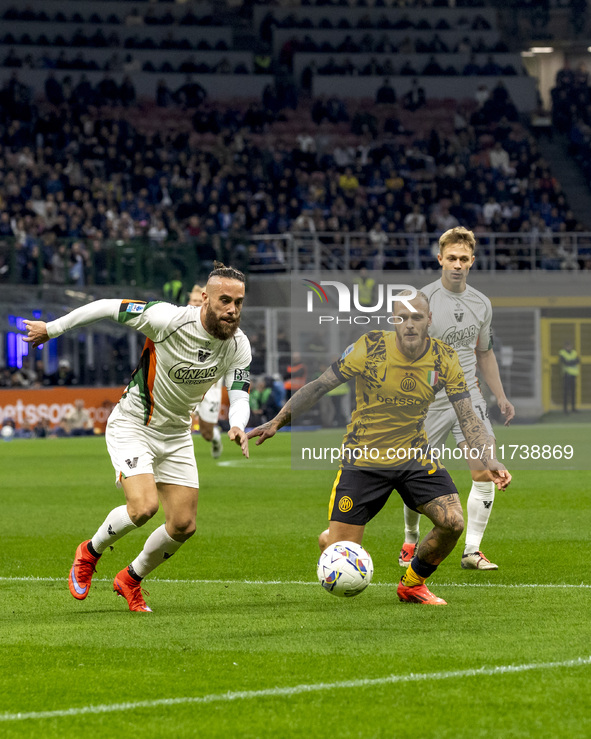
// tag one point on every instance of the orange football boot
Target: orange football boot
(131, 589)
(418, 594)
(82, 571)
(406, 554)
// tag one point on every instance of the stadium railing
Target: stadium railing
(144, 263)
(312, 250)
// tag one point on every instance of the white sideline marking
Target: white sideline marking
(295, 690)
(32, 578)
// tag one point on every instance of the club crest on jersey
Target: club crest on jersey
(459, 313)
(184, 373)
(203, 354)
(408, 384)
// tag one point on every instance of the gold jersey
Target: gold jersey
(393, 394)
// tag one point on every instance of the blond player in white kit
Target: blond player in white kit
(148, 433)
(209, 408)
(461, 318)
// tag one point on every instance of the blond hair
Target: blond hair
(419, 294)
(457, 235)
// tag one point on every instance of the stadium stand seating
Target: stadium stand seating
(146, 40)
(360, 166)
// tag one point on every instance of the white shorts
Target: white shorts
(139, 450)
(209, 408)
(440, 421)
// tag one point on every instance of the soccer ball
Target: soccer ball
(345, 569)
(7, 432)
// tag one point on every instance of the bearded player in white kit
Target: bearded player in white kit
(461, 318)
(208, 410)
(148, 434)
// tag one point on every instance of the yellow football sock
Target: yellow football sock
(410, 579)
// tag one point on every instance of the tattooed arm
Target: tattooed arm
(299, 403)
(478, 438)
(474, 430)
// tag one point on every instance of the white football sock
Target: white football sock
(480, 503)
(411, 526)
(217, 436)
(116, 524)
(158, 547)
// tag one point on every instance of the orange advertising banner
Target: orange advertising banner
(30, 406)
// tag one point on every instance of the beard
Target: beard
(415, 341)
(219, 328)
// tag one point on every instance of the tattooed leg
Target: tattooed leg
(446, 515)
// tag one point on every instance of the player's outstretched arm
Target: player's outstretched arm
(488, 366)
(239, 436)
(299, 403)
(36, 333)
(238, 418)
(478, 438)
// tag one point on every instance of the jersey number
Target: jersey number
(483, 414)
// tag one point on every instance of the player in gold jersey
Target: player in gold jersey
(393, 393)
(397, 375)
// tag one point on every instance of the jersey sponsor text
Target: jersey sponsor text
(184, 373)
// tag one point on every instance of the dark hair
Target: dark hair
(220, 270)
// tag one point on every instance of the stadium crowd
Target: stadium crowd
(378, 3)
(74, 176)
(118, 63)
(151, 17)
(432, 68)
(571, 113)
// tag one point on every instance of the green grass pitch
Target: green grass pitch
(244, 642)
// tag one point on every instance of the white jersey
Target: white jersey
(179, 363)
(462, 320)
(214, 392)
(210, 406)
